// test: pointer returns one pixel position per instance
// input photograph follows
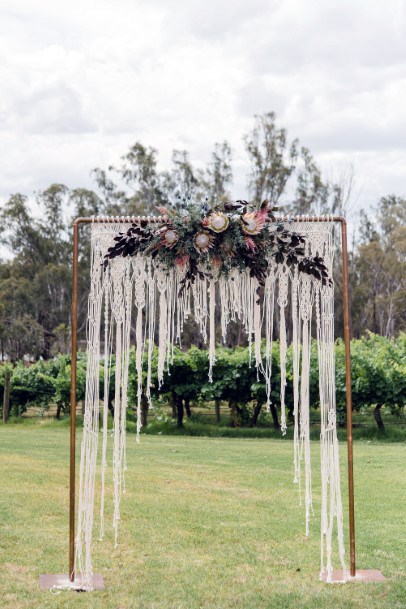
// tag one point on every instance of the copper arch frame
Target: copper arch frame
(346, 315)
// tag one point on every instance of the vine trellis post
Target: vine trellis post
(68, 581)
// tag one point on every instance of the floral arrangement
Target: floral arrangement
(233, 234)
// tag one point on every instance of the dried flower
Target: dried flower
(250, 244)
(217, 222)
(170, 237)
(203, 241)
(182, 261)
(253, 222)
(216, 263)
(164, 211)
(228, 248)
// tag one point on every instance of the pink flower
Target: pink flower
(263, 214)
(253, 222)
(203, 241)
(164, 211)
(250, 244)
(170, 237)
(216, 263)
(182, 261)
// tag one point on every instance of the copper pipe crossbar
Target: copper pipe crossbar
(138, 219)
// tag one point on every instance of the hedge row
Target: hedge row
(378, 378)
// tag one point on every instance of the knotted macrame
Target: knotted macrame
(137, 291)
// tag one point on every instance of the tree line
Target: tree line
(35, 281)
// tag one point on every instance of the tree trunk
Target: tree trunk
(378, 417)
(179, 412)
(274, 414)
(144, 410)
(6, 396)
(235, 413)
(256, 413)
(174, 409)
(374, 316)
(217, 407)
(187, 408)
(58, 410)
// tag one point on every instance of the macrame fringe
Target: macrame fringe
(152, 291)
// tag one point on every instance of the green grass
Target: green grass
(210, 523)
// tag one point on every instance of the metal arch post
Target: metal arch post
(72, 452)
(348, 395)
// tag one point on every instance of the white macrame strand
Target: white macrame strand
(141, 284)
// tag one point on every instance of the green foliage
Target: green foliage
(378, 378)
(378, 372)
(44, 383)
(31, 386)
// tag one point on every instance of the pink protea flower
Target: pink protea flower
(203, 241)
(217, 222)
(254, 221)
(250, 244)
(170, 238)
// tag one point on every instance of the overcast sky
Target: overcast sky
(82, 80)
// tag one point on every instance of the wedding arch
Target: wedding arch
(189, 261)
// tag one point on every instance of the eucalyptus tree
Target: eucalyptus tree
(285, 172)
(272, 159)
(217, 178)
(132, 187)
(379, 301)
(35, 283)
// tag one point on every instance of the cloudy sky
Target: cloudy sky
(82, 80)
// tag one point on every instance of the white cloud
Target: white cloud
(82, 81)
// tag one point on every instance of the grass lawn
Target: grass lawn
(209, 523)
